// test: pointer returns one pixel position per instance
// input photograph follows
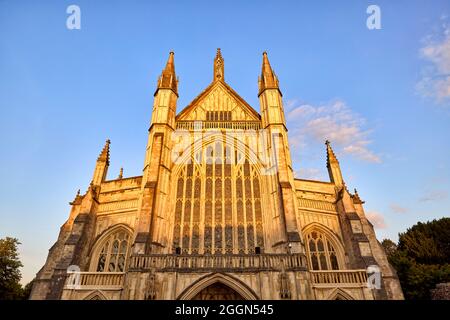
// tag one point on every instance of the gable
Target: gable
(218, 97)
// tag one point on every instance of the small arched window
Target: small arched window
(114, 252)
(321, 252)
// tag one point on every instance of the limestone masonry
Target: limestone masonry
(217, 213)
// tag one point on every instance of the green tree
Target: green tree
(421, 257)
(427, 243)
(26, 291)
(389, 246)
(10, 265)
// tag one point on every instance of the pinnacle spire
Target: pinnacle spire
(356, 198)
(77, 199)
(104, 155)
(219, 70)
(331, 157)
(334, 170)
(168, 78)
(120, 174)
(268, 78)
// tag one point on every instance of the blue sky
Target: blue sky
(381, 96)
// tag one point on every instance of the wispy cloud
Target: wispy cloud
(376, 219)
(434, 195)
(309, 173)
(334, 121)
(397, 208)
(435, 82)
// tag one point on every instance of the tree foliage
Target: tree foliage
(421, 257)
(10, 275)
(427, 243)
(389, 246)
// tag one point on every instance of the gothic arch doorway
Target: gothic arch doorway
(218, 286)
(339, 294)
(217, 291)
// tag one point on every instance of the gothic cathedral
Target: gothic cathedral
(217, 213)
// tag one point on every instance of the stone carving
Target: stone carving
(285, 291)
(150, 287)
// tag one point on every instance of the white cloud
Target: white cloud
(333, 121)
(308, 173)
(435, 82)
(360, 150)
(397, 208)
(376, 219)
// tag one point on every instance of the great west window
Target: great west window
(218, 204)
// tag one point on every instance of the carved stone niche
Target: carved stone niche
(285, 290)
(151, 287)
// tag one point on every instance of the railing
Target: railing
(230, 125)
(117, 205)
(232, 262)
(317, 204)
(189, 263)
(339, 277)
(78, 280)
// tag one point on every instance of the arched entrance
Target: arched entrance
(218, 291)
(339, 294)
(96, 295)
(218, 286)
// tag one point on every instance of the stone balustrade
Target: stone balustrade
(80, 280)
(230, 125)
(339, 277)
(117, 205)
(231, 262)
(317, 204)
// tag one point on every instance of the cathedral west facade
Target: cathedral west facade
(217, 213)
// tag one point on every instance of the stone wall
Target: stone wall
(442, 292)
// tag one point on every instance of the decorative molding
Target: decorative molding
(317, 205)
(118, 205)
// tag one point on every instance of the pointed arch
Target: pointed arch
(213, 193)
(95, 295)
(233, 283)
(208, 139)
(324, 247)
(339, 294)
(111, 249)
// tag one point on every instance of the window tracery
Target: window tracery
(321, 252)
(113, 254)
(230, 190)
